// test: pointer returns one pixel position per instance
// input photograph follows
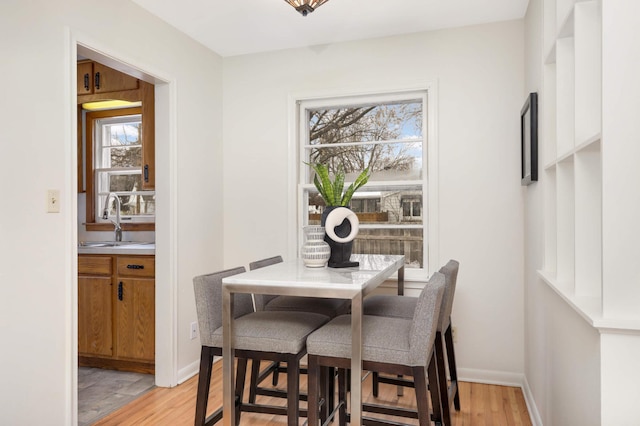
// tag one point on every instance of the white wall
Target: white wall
(479, 74)
(38, 153)
(580, 373)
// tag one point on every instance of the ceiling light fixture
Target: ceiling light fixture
(306, 6)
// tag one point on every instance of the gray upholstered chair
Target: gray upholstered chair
(265, 335)
(403, 307)
(390, 345)
(324, 306)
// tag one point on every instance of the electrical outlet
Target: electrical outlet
(194, 330)
(454, 334)
(53, 201)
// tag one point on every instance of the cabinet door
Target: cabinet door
(148, 136)
(135, 318)
(85, 78)
(107, 79)
(95, 321)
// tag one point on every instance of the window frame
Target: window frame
(92, 224)
(300, 174)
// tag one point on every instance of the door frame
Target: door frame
(166, 333)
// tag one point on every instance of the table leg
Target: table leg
(228, 393)
(400, 389)
(356, 360)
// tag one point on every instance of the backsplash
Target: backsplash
(84, 235)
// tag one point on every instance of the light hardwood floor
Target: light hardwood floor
(482, 405)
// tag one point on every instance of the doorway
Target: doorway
(165, 336)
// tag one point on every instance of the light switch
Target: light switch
(53, 201)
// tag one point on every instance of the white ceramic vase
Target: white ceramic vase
(315, 251)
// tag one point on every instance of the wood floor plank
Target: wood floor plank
(481, 405)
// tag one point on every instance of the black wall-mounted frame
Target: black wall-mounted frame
(529, 140)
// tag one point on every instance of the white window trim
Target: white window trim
(100, 196)
(327, 98)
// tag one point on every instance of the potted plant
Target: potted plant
(333, 193)
(342, 222)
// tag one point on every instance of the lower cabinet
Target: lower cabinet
(116, 312)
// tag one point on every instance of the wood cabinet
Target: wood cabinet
(116, 312)
(135, 308)
(95, 289)
(96, 78)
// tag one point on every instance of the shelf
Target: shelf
(573, 146)
(590, 144)
(589, 308)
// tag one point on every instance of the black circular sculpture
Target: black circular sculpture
(341, 227)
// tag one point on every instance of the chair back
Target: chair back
(425, 320)
(450, 272)
(262, 299)
(208, 294)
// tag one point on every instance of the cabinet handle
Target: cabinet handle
(86, 82)
(120, 292)
(146, 173)
(97, 81)
(135, 266)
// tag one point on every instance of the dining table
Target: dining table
(293, 278)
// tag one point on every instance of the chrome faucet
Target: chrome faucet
(105, 215)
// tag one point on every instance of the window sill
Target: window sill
(125, 226)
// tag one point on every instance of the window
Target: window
(388, 134)
(115, 138)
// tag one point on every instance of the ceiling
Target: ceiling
(236, 27)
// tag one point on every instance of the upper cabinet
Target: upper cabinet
(95, 78)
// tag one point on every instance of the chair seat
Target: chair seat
(329, 307)
(383, 339)
(272, 331)
(386, 305)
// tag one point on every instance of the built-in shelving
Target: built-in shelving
(572, 120)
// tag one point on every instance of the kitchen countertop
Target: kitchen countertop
(120, 247)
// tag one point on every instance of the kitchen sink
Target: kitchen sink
(89, 244)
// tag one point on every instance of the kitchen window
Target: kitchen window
(114, 142)
(387, 133)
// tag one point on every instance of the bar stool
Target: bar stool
(403, 307)
(390, 345)
(265, 335)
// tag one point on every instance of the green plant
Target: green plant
(333, 192)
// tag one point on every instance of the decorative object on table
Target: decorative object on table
(529, 140)
(305, 7)
(315, 251)
(340, 223)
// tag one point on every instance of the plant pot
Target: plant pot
(342, 229)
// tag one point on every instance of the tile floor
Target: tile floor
(101, 392)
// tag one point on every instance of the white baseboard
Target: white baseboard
(188, 372)
(191, 370)
(502, 378)
(536, 420)
(489, 377)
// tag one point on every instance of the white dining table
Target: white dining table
(292, 278)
